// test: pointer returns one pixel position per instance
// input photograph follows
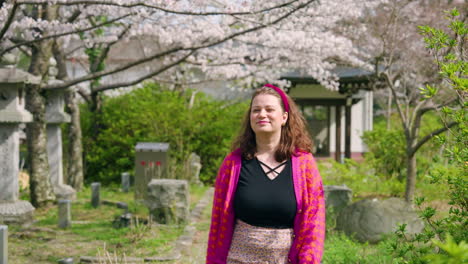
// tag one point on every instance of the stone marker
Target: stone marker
(64, 213)
(125, 181)
(168, 201)
(3, 244)
(369, 219)
(122, 205)
(337, 197)
(121, 221)
(95, 196)
(194, 167)
(151, 162)
(66, 261)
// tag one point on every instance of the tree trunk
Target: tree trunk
(75, 149)
(42, 193)
(410, 177)
(75, 174)
(389, 108)
(41, 189)
(96, 114)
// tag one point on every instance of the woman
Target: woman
(268, 205)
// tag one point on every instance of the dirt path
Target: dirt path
(197, 252)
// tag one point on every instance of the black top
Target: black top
(260, 201)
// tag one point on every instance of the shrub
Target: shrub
(387, 148)
(153, 114)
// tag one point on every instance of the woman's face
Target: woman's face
(266, 115)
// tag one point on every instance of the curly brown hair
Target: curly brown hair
(294, 135)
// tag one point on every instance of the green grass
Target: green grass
(341, 249)
(92, 232)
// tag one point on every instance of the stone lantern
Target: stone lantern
(12, 114)
(55, 116)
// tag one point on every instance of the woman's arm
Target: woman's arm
(217, 249)
(313, 229)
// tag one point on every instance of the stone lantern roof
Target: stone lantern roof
(12, 81)
(14, 76)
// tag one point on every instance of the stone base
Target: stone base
(18, 212)
(65, 192)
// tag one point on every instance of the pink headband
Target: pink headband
(284, 98)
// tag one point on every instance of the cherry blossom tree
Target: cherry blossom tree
(393, 43)
(248, 41)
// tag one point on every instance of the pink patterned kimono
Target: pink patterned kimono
(309, 222)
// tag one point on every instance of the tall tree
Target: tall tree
(393, 43)
(41, 189)
(251, 40)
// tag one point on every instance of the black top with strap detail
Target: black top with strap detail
(264, 202)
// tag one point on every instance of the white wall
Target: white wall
(361, 116)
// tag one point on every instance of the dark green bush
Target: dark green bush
(153, 114)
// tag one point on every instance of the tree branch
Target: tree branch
(431, 135)
(8, 22)
(106, 50)
(170, 51)
(61, 34)
(144, 77)
(437, 106)
(109, 3)
(86, 96)
(404, 119)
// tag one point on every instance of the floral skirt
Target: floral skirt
(259, 245)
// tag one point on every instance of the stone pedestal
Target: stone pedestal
(54, 117)
(12, 113)
(168, 201)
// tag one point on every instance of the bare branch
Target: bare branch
(136, 81)
(437, 106)
(404, 119)
(74, 16)
(142, 4)
(170, 51)
(86, 96)
(8, 22)
(61, 34)
(106, 50)
(415, 118)
(419, 111)
(434, 133)
(159, 80)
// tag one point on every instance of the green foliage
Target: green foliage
(359, 177)
(455, 253)
(152, 114)
(444, 237)
(340, 249)
(387, 148)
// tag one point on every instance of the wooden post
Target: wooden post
(338, 133)
(348, 128)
